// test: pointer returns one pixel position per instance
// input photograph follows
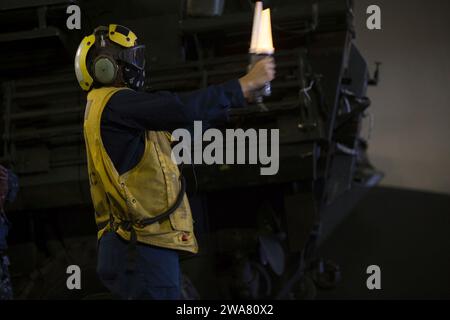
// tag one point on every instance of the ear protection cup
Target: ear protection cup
(105, 69)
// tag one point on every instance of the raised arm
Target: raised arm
(169, 111)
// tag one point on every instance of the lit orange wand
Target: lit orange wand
(261, 45)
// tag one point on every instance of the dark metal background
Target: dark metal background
(318, 101)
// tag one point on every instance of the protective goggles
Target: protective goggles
(134, 56)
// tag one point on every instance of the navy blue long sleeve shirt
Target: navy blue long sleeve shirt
(129, 114)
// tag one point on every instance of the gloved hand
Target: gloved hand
(262, 72)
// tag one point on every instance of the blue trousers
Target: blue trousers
(156, 273)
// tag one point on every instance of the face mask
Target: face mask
(134, 77)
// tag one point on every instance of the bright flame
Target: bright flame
(262, 31)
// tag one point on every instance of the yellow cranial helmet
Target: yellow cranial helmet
(99, 54)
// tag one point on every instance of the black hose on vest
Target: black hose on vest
(128, 226)
(171, 210)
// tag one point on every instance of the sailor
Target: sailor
(143, 215)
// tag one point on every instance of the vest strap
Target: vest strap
(127, 225)
(172, 209)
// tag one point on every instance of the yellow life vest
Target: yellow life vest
(144, 192)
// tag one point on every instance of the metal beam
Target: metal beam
(30, 34)
(24, 4)
(301, 12)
